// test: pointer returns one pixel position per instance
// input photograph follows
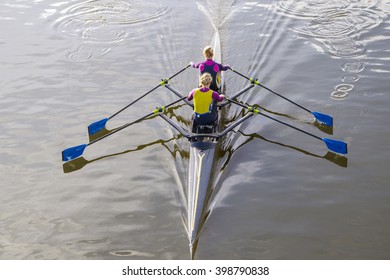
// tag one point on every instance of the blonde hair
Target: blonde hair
(208, 52)
(205, 80)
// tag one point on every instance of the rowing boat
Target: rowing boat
(203, 141)
(202, 153)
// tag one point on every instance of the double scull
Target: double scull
(202, 154)
(203, 142)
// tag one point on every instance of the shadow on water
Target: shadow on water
(81, 162)
(169, 112)
(225, 153)
(330, 156)
(228, 152)
(337, 159)
(103, 132)
(322, 127)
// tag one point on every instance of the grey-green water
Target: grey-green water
(278, 194)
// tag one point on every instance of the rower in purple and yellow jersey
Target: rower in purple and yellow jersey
(211, 67)
(205, 102)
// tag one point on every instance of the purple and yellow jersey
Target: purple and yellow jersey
(203, 99)
(214, 69)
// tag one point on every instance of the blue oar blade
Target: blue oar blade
(336, 146)
(97, 126)
(73, 152)
(326, 119)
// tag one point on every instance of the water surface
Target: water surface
(278, 194)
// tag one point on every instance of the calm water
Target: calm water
(277, 194)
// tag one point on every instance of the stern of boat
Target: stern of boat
(200, 168)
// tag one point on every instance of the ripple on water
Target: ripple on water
(339, 95)
(341, 91)
(344, 47)
(86, 52)
(128, 253)
(346, 22)
(79, 56)
(335, 24)
(353, 67)
(344, 87)
(106, 21)
(307, 9)
(104, 34)
(350, 78)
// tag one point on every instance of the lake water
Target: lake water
(278, 193)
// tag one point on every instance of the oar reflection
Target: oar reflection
(322, 127)
(169, 112)
(80, 162)
(338, 159)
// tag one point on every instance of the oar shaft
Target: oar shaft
(240, 74)
(182, 70)
(270, 90)
(75, 152)
(178, 94)
(135, 101)
(234, 96)
(134, 122)
(120, 128)
(279, 121)
(289, 125)
(153, 89)
(285, 98)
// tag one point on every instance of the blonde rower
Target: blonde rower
(205, 101)
(211, 67)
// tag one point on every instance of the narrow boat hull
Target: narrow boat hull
(200, 166)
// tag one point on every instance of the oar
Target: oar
(321, 117)
(336, 146)
(75, 152)
(99, 125)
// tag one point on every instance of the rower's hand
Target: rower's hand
(192, 63)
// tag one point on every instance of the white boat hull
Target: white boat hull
(200, 168)
(201, 165)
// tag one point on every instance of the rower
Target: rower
(211, 67)
(205, 103)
